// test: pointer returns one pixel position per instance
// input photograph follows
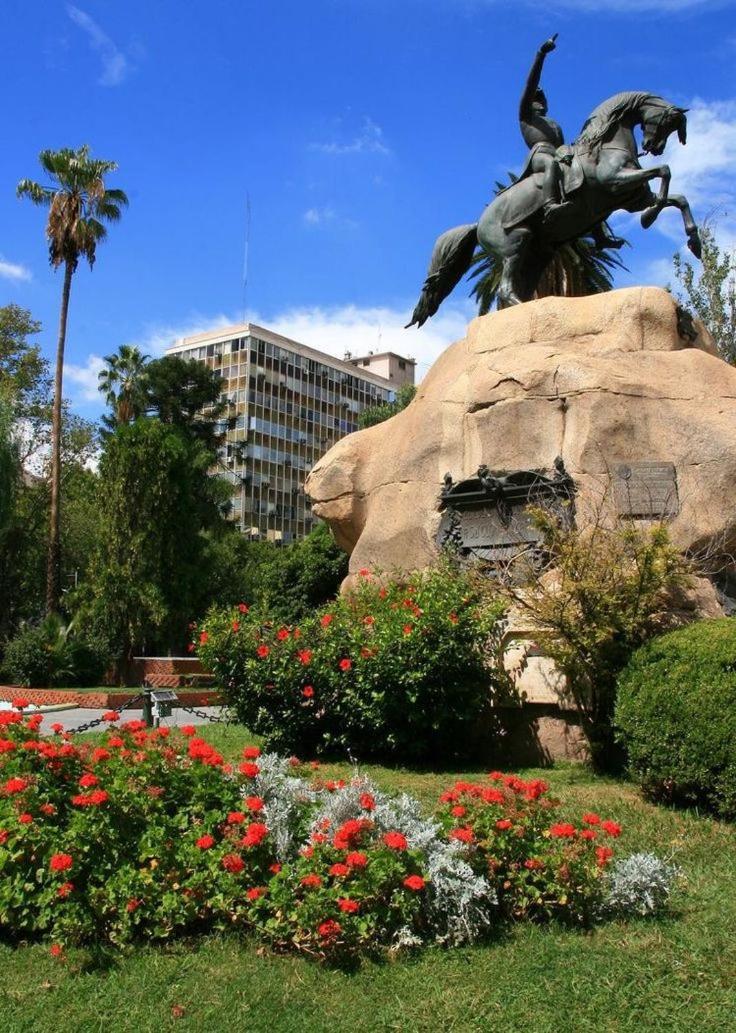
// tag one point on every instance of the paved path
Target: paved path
(72, 719)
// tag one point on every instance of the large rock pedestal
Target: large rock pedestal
(600, 381)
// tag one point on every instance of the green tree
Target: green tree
(378, 413)
(123, 383)
(79, 204)
(156, 501)
(186, 394)
(711, 291)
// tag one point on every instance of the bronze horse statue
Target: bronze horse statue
(600, 174)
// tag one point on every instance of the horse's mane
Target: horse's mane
(610, 112)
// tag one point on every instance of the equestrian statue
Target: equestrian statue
(564, 193)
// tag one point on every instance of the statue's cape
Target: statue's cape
(572, 179)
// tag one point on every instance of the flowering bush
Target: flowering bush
(392, 669)
(540, 866)
(151, 834)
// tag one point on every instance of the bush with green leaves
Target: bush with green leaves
(53, 653)
(676, 715)
(392, 669)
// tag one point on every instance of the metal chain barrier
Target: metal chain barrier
(213, 718)
(116, 710)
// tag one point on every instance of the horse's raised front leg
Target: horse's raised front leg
(624, 181)
(691, 229)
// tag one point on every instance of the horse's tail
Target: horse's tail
(451, 259)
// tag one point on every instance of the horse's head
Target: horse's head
(658, 122)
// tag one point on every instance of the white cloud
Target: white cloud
(360, 329)
(14, 271)
(369, 140)
(115, 64)
(84, 379)
(318, 216)
(157, 337)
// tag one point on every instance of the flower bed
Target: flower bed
(151, 834)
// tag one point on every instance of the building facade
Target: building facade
(287, 405)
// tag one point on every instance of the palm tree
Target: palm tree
(78, 204)
(123, 383)
(577, 268)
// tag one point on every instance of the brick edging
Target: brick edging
(101, 700)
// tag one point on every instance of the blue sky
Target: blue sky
(360, 129)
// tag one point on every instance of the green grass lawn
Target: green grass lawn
(670, 975)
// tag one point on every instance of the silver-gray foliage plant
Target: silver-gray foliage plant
(640, 884)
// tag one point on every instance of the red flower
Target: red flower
(47, 809)
(4, 834)
(588, 834)
(453, 618)
(25, 819)
(562, 830)
(205, 842)
(612, 828)
(57, 728)
(65, 889)
(366, 653)
(345, 664)
(326, 620)
(235, 626)
(339, 870)
(533, 864)
(233, 863)
(463, 835)
(20, 703)
(56, 950)
(308, 691)
(349, 833)
(603, 855)
(496, 776)
(190, 647)
(61, 862)
(356, 860)
(235, 818)
(262, 651)
(367, 802)
(111, 715)
(414, 882)
(255, 892)
(395, 840)
(89, 780)
(255, 834)
(275, 868)
(349, 907)
(312, 881)
(254, 803)
(591, 819)
(242, 607)
(251, 752)
(364, 572)
(249, 769)
(188, 730)
(329, 930)
(304, 656)
(458, 811)
(100, 753)
(133, 904)
(503, 824)
(407, 629)
(369, 620)
(15, 785)
(203, 638)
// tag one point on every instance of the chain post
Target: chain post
(147, 706)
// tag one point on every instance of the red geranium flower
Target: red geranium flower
(463, 835)
(56, 950)
(347, 905)
(407, 629)
(588, 834)
(304, 656)
(15, 785)
(242, 607)
(275, 868)
(249, 769)
(25, 819)
(603, 855)
(312, 881)
(364, 572)
(562, 830)
(533, 864)
(326, 620)
(255, 892)
(395, 840)
(205, 842)
(89, 780)
(262, 651)
(203, 638)
(612, 828)
(308, 691)
(339, 870)
(188, 730)
(503, 824)
(133, 904)
(356, 860)
(20, 703)
(233, 863)
(47, 809)
(235, 818)
(591, 819)
(329, 930)
(367, 802)
(111, 715)
(61, 862)
(345, 664)
(254, 803)
(255, 834)
(414, 882)
(235, 626)
(251, 752)
(65, 889)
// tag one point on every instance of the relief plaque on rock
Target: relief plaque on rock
(486, 518)
(645, 490)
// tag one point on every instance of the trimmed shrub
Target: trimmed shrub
(676, 715)
(50, 653)
(389, 670)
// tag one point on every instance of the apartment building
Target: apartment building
(287, 405)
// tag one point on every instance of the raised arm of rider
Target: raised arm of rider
(532, 82)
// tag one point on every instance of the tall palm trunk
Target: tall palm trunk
(53, 568)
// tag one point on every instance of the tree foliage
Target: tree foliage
(378, 413)
(711, 291)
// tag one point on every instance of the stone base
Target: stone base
(538, 734)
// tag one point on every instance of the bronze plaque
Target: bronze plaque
(483, 528)
(645, 490)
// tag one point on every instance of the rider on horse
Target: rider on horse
(541, 134)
